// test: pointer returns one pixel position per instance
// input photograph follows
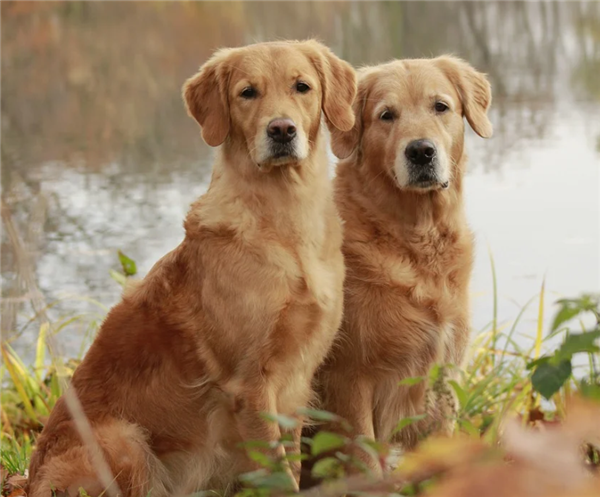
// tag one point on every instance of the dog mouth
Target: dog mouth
(427, 185)
(423, 183)
(283, 155)
(280, 154)
(427, 181)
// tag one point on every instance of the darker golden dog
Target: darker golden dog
(234, 321)
(407, 246)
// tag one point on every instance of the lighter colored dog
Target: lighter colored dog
(236, 319)
(407, 247)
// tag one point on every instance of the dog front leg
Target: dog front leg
(253, 426)
(354, 403)
(293, 450)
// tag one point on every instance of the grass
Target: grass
(501, 380)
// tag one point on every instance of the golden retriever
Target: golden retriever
(233, 322)
(407, 246)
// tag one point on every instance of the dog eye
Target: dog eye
(440, 107)
(386, 115)
(302, 87)
(248, 93)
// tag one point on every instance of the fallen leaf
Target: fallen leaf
(14, 486)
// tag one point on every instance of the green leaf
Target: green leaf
(286, 422)
(571, 308)
(409, 382)
(434, 373)
(306, 441)
(404, 422)
(296, 457)
(260, 458)
(469, 427)
(129, 267)
(486, 422)
(578, 342)
(566, 313)
(410, 490)
(329, 467)
(319, 415)
(460, 393)
(537, 362)
(325, 441)
(264, 480)
(548, 378)
(255, 444)
(325, 416)
(253, 477)
(590, 390)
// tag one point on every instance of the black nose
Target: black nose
(420, 152)
(281, 130)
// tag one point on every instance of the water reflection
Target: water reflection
(99, 155)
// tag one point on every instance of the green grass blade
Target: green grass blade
(495, 315)
(540, 323)
(40, 352)
(514, 327)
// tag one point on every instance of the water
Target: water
(98, 153)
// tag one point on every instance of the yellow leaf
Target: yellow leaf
(10, 366)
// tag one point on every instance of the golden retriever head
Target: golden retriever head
(409, 119)
(267, 99)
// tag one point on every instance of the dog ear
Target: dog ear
(474, 90)
(338, 83)
(205, 95)
(343, 143)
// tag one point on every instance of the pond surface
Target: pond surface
(98, 153)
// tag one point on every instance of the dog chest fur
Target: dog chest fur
(290, 306)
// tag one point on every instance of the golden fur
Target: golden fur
(408, 251)
(236, 319)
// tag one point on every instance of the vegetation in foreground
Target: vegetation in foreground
(524, 417)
